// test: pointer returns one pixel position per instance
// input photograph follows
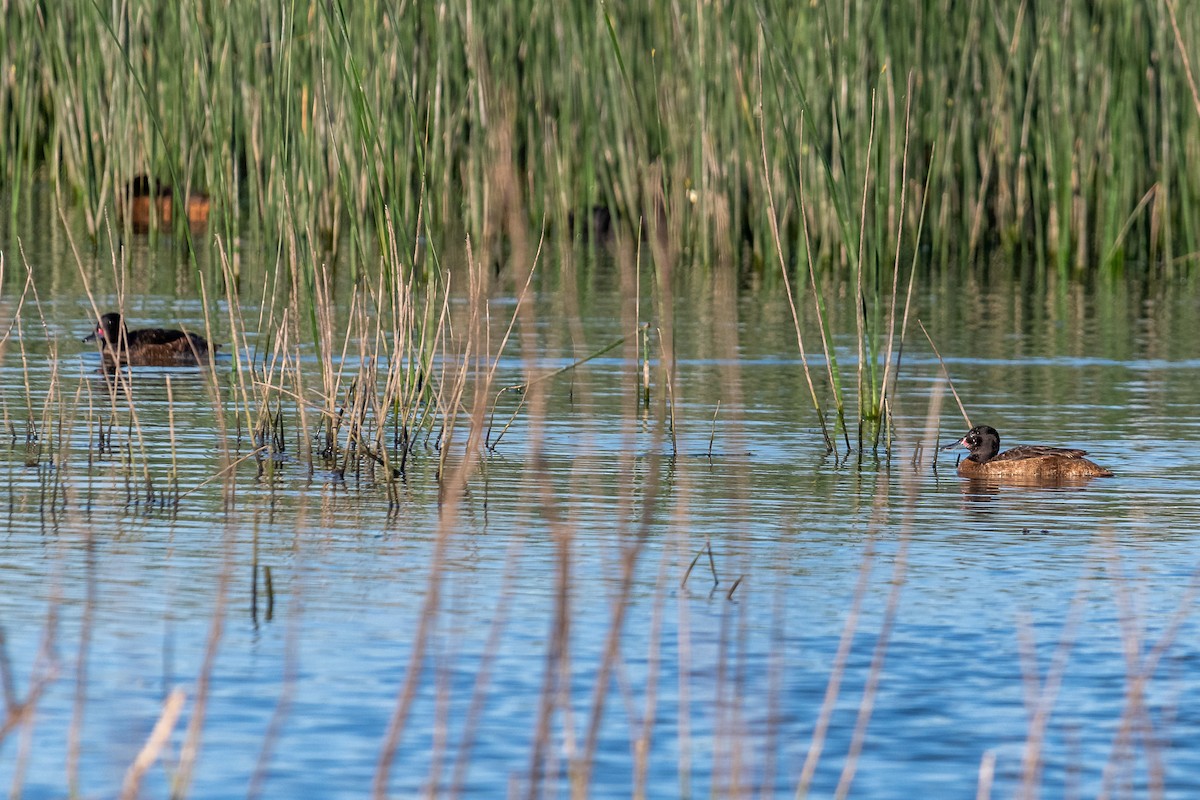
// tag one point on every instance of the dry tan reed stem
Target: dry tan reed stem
(237, 332)
(43, 673)
(74, 734)
(912, 276)
(524, 387)
(452, 488)
(860, 301)
(669, 384)
(1140, 670)
(1040, 696)
(891, 324)
(842, 655)
(172, 708)
(224, 472)
(483, 672)
(190, 750)
(773, 218)
(612, 645)
(429, 411)
(945, 372)
(641, 745)
(987, 773)
(556, 673)
(1183, 54)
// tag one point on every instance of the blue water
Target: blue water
(1009, 597)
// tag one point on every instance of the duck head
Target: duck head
(983, 441)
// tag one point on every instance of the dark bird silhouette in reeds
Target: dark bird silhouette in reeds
(147, 346)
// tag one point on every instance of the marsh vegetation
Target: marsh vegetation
(570, 427)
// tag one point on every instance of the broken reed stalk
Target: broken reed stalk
(173, 482)
(226, 471)
(667, 367)
(1040, 696)
(522, 388)
(712, 564)
(495, 360)
(837, 671)
(891, 612)
(713, 434)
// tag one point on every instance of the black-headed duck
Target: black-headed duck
(147, 346)
(1027, 461)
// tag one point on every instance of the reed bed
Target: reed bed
(1059, 135)
(840, 148)
(802, 145)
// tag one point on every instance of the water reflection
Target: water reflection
(346, 601)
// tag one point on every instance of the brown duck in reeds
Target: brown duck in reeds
(146, 203)
(1032, 462)
(147, 346)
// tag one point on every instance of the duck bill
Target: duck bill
(91, 337)
(956, 443)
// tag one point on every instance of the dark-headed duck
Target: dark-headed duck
(146, 202)
(1027, 461)
(148, 346)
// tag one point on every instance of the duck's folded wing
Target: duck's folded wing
(1038, 451)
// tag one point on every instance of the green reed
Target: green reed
(1043, 128)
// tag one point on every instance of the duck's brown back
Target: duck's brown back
(1024, 451)
(160, 347)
